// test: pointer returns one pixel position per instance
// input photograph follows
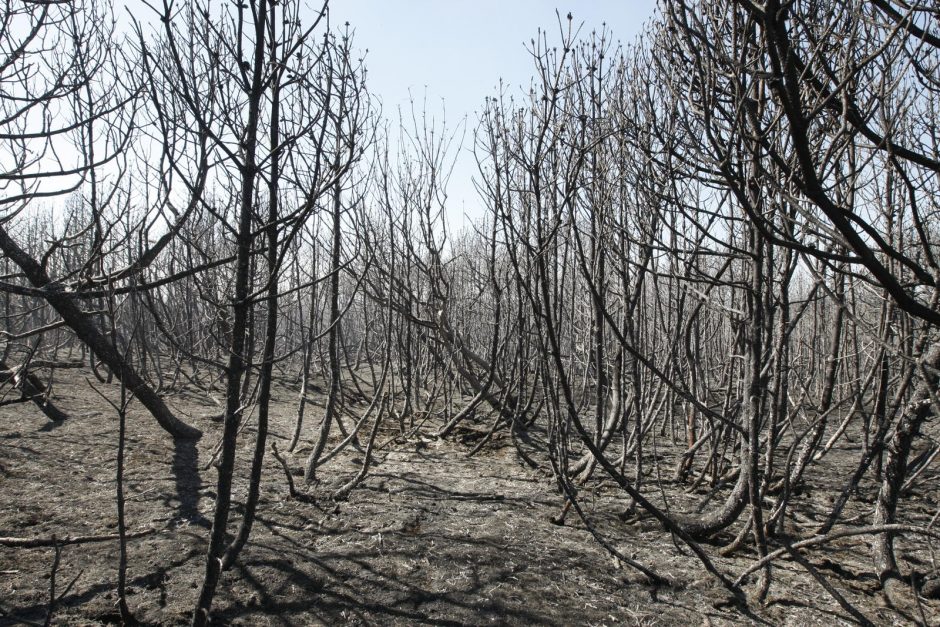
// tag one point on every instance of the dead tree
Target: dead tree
(35, 171)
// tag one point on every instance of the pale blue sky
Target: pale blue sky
(457, 50)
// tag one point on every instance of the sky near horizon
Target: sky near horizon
(456, 51)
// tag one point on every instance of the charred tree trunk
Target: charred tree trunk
(898, 450)
(95, 338)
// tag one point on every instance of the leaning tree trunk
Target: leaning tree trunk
(32, 389)
(88, 332)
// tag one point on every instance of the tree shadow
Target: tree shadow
(364, 586)
(50, 426)
(153, 580)
(187, 481)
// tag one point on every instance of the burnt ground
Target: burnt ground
(430, 537)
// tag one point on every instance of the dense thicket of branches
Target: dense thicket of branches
(723, 236)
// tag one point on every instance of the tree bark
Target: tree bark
(898, 451)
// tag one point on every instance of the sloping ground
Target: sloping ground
(430, 537)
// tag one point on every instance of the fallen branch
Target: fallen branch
(32, 543)
(55, 365)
